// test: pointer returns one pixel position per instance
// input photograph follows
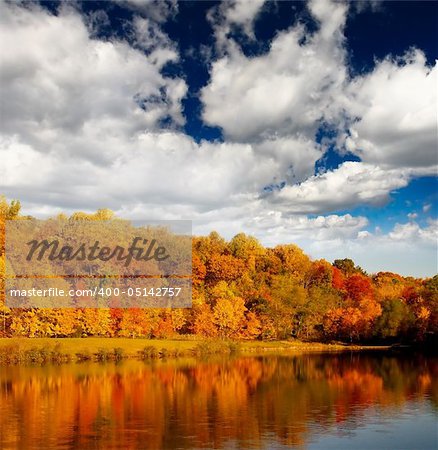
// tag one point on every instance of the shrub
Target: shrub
(149, 352)
(118, 353)
(103, 355)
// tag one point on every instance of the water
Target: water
(331, 401)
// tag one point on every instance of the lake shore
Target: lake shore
(42, 350)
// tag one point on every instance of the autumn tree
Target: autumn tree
(203, 321)
(240, 289)
(395, 321)
(294, 262)
(287, 297)
(228, 314)
(348, 267)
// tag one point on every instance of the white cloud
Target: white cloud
(294, 157)
(303, 80)
(273, 227)
(411, 232)
(150, 37)
(331, 16)
(231, 14)
(242, 12)
(163, 168)
(395, 251)
(351, 184)
(396, 106)
(284, 92)
(157, 10)
(81, 129)
(73, 114)
(62, 85)
(360, 6)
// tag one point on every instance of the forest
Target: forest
(243, 290)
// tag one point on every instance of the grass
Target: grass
(43, 350)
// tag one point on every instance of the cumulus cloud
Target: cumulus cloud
(87, 113)
(157, 10)
(353, 183)
(396, 110)
(159, 168)
(232, 14)
(150, 38)
(63, 85)
(284, 92)
(301, 82)
(395, 251)
(82, 128)
(274, 227)
(411, 231)
(242, 11)
(294, 157)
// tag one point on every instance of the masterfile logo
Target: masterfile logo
(116, 263)
(52, 250)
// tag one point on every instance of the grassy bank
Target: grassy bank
(43, 350)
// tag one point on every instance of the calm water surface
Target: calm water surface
(331, 401)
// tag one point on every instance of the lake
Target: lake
(315, 401)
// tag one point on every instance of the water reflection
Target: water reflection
(309, 401)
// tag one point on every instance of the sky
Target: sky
(312, 123)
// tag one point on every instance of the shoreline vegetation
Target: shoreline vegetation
(24, 351)
(244, 297)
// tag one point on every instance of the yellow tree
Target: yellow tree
(8, 211)
(228, 314)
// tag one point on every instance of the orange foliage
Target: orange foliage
(243, 290)
(338, 279)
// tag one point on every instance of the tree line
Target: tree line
(242, 290)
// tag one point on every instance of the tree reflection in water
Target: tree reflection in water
(247, 402)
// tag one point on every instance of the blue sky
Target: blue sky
(306, 122)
